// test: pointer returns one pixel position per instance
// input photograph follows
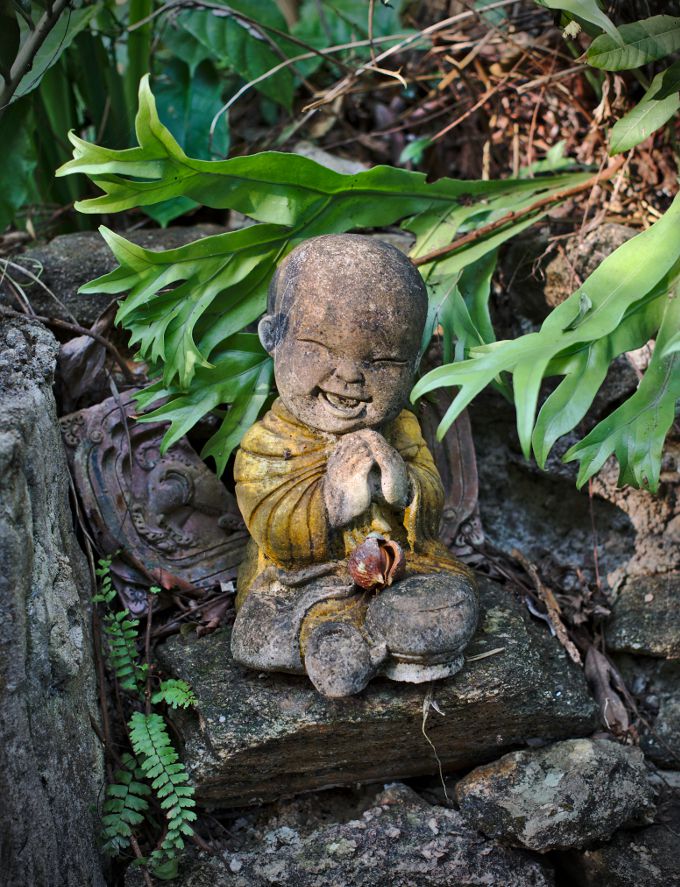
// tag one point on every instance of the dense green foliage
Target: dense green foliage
(85, 75)
(192, 331)
(186, 309)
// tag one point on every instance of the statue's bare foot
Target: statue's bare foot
(337, 659)
(426, 622)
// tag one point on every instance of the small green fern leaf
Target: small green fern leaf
(121, 635)
(106, 590)
(160, 763)
(125, 806)
(175, 693)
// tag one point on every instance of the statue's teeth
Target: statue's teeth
(338, 401)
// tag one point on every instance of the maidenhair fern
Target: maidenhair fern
(155, 770)
(175, 693)
(125, 807)
(161, 764)
(121, 636)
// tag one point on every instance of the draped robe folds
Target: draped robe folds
(279, 472)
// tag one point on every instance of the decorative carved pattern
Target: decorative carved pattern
(173, 519)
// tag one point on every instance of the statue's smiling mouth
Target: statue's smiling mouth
(341, 405)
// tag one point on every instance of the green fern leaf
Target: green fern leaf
(160, 762)
(175, 693)
(125, 806)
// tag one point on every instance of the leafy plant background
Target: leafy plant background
(187, 310)
(180, 111)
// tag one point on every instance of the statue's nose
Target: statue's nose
(349, 372)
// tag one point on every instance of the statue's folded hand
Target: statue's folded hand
(347, 485)
(394, 488)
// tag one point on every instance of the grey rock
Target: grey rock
(261, 736)
(566, 795)
(648, 857)
(646, 618)
(51, 767)
(655, 684)
(542, 513)
(70, 260)
(401, 841)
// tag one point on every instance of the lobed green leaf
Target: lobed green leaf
(635, 432)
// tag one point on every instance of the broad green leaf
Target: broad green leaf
(658, 105)
(614, 285)
(19, 160)
(588, 10)
(242, 414)
(187, 103)
(232, 43)
(70, 23)
(219, 281)
(623, 279)
(671, 346)
(337, 22)
(636, 44)
(635, 432)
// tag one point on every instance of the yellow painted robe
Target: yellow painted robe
(279, 472)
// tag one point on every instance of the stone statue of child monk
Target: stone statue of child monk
(344, 577)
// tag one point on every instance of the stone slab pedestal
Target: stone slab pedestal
(258, 737)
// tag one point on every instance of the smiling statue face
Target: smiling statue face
(345, 349)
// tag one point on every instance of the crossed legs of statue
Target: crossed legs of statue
(316, 621)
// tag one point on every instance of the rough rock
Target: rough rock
(542, 513)
(400, 840)
(655, 684)
(264, 736)
(70, 260)
(566, 795)
(51, 767)
(646, 618)
(647, 857)
(655, 519)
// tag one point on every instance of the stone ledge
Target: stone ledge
(258, 737)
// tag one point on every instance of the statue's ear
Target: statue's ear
(270, 330)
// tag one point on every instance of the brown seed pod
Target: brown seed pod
(376, 563)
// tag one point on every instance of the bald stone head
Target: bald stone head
(345, 321)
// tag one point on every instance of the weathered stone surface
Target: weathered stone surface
(263, 736)
(567, 795)
(655, 684)
(646, 618)
(648, 857)
(543, 514)
(70, 260)
(401, 841)
(50, 759)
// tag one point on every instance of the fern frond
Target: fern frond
(169, 780)
(121, 635)
(125, 806)
(106, 591)
(175, 693)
